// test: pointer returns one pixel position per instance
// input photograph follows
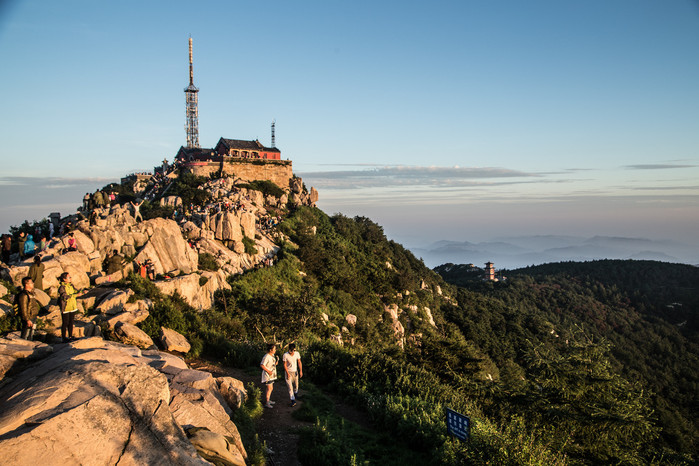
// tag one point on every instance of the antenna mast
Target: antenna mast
(274, 144)
(192, 101)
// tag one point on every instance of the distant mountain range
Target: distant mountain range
(521, 251)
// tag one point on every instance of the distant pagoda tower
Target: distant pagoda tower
(490, 271)
(190, 92)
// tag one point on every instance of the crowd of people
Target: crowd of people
(28, 306)
(28, 244)
(23, 244)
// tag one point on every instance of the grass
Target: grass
(335, 440)
(245, 419)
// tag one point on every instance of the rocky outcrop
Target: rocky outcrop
(75, 263)
(94, 402)
(167, 248)
(5, 308)
(173, 341)
(114, 302)
(133, 313)
(172, 201)
(59, 411)
(232, 390)
(132, 335)
(226, 226)
(190, 287)
(13, 348)
(215, 447)
(398, 329)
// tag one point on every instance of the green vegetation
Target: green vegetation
(186, 187)
(562, 364)
(249, 246)
(208, 262)
(266, 187)
(153, 209)
(639, 339)
(334, 440)
(244, 418)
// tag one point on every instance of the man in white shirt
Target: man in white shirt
(294, 371)
(269, 372)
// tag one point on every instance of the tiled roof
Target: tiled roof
(245, 145)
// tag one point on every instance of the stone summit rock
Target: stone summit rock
(167, 248)
(96, 402)
(91, 406)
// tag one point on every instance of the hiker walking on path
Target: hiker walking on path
(68, 304)
(28, 308)
(292, 362)
(269, 372)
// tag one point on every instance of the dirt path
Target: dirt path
(277, 428)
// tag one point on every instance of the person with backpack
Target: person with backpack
(68, 304)
(28, 308)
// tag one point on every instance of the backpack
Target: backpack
(15, 304)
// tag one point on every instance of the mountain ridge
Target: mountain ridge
(521, 251)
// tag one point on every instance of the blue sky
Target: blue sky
(456, 120)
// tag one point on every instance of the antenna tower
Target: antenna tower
(192, 100)
(274, 144)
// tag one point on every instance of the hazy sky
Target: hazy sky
(439, 120)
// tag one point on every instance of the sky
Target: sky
(457, 120)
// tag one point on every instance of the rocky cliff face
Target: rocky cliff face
(95, 402)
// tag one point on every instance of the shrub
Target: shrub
(265, 186)
(244, 419)
(154, 210)
(249, 246)
(208, 262)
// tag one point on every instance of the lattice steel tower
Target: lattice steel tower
(190, 92)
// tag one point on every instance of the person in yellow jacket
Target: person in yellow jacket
(69, 305)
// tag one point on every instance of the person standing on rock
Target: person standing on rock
(28, 308)
(36, 273)
(86, 202)
(69, 305)
(115, 263)
(137, 210)
(269, 372)
(22, 239)
(6, 248)
(292, 362)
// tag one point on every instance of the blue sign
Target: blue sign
(458, 425)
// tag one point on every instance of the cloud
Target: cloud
(656, 166)
(50, 182)
(663, 188)
(433, 177)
